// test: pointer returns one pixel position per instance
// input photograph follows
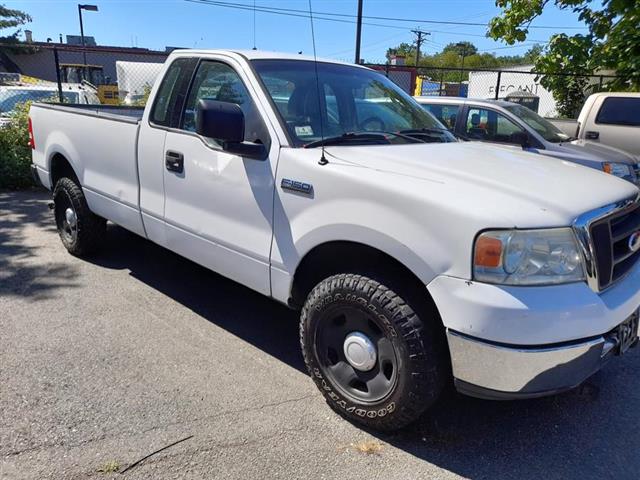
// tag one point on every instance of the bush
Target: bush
(15, 154)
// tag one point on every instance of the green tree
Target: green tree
(612, 43)
(11, 19)
(461, 48)
(531, 55)
(405, 49)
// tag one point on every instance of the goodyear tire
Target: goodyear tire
(80, 230)
(376, 361)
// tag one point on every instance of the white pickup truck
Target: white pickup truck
(609, 118)
(413, 258)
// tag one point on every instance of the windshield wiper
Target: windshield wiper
(401, 134)
(426, 130)
(349, 137)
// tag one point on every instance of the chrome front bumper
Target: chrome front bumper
(498, 372)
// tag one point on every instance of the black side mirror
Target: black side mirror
(521, 138)
(224, 122)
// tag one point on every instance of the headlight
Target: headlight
(621, 170)
(528, 257)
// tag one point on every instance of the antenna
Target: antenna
(323, 160)
(254, 25)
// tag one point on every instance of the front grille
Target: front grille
(610, 237)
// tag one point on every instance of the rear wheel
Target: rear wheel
(375, 360)
(81, 231)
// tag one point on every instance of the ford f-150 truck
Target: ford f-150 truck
(414, 259)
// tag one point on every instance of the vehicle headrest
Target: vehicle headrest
(304, 101)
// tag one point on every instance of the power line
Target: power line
(303, 14)
(370, 17)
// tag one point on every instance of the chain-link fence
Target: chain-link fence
(123, 76)
(517, 84)
(75, 74)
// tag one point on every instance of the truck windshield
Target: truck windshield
(354, 104)
(544, 127)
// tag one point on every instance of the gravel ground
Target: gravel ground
(105, 361)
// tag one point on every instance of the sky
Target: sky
(156, 24)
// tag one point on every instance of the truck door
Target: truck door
(218, 206)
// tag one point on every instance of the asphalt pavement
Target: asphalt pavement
(107, 360)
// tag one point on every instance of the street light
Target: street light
(89, 8)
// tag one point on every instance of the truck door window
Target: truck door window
(620, 111)
(490, 126)
(171, 94)
(218, 81)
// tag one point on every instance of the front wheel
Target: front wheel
(81, 231)
(375, 360)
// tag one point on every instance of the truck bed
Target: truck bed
(100, 143)
(122, 113)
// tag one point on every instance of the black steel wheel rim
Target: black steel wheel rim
(68, 230)
(370, 386)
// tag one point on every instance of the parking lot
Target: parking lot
(103, 362)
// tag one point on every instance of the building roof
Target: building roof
(65, 47)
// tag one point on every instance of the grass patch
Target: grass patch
(368, 447)
(111, 466)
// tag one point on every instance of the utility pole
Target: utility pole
(358, 32)
(463, 53)
(419, 40)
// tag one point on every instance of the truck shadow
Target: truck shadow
(590, 432)
(269, 326)
(22, 273)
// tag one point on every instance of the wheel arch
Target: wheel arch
(59, 167)
(62, 158)
(342, 256)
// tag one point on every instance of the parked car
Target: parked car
(12, 95)
(507, 123)
(411, 256)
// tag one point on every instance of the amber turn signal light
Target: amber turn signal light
(488, 252)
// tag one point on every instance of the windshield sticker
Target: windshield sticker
(304, 131)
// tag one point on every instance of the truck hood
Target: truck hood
(521, 189)
(590, 152)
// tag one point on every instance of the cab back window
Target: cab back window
(620, 111)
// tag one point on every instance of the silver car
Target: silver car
(508, 123)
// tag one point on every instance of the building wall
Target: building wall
(483, 85)
(42, 64)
